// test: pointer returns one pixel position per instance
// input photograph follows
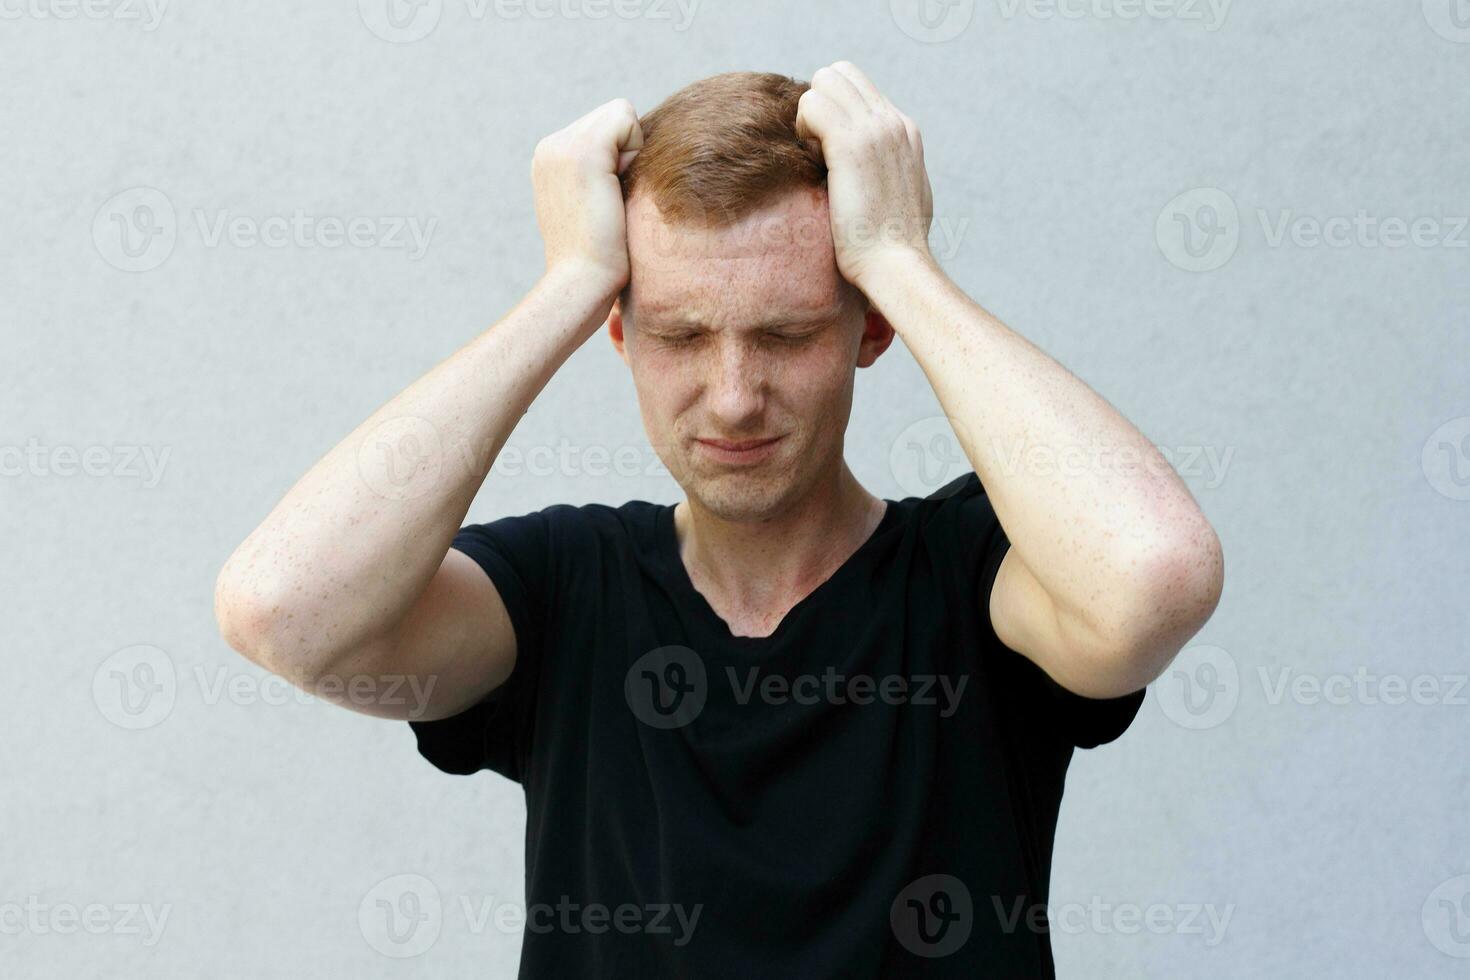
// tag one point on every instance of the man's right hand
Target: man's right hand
(352, 573)
(579, 200)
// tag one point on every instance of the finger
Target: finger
(817, 115)
(911, 130)
(865, 88)
(840, 89)
(629, 133)
(615, 123)
(621, 129)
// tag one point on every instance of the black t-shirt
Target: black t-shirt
(870, 791)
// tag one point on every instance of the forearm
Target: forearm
(349, 548)
(1095, 512)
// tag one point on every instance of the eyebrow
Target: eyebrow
(793, 320)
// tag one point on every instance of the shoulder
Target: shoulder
(565, 525)
(958, 506)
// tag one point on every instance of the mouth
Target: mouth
(739, 451)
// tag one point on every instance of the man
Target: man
(784, 728)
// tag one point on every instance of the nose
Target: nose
(736, 387)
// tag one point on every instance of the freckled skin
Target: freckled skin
(744, 332)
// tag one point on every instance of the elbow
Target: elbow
(1180, 591)
(238, 626)
(264, 631)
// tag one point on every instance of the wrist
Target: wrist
(896, 269)
(584, 279)
(576, 299)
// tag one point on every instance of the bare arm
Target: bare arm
(351, 574)
(1112, 566)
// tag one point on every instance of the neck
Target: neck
(758, 570)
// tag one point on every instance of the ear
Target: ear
(877, 335)
(615, 328)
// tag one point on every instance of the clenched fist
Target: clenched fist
(878, 192)
(579, 201)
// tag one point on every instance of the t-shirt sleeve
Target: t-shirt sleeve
(1081, 721)
(496, 732)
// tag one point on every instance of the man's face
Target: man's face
(744, 334)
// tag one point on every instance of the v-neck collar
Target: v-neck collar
(668, 544)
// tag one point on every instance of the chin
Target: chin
(742, 497)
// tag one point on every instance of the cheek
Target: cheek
(661, 381)
(821, 373)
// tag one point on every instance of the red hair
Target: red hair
(723, 146)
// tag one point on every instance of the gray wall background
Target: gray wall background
(1119, 182)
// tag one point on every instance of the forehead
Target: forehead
(777, 262)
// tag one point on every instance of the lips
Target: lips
(739, 452)
(738, 445)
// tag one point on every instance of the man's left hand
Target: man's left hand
(878, 192)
